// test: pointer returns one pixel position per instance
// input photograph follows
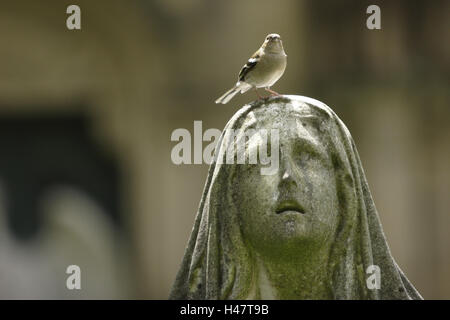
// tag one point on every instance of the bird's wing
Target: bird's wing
(251, 63)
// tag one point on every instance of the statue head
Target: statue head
(309, 223)
(295, 207)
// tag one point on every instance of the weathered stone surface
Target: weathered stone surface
(310, 230)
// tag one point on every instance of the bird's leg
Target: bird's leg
(256, 90)
(273, 93)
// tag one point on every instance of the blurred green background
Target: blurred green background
(86, 117)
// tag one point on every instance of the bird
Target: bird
(262, 70)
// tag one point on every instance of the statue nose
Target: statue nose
(287, 177)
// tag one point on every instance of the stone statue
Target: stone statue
(307, 230)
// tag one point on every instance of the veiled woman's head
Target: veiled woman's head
(295, 207)
(306, 216)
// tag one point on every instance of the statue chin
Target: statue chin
(284, 235)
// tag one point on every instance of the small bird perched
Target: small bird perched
(262, 70)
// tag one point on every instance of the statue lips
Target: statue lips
(289, 206)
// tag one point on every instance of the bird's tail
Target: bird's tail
(227, 96)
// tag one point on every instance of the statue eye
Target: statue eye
(302, 157)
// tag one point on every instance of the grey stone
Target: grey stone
(308, 231)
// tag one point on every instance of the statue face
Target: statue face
(296, 208)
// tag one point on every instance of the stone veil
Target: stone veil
(310, 230)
